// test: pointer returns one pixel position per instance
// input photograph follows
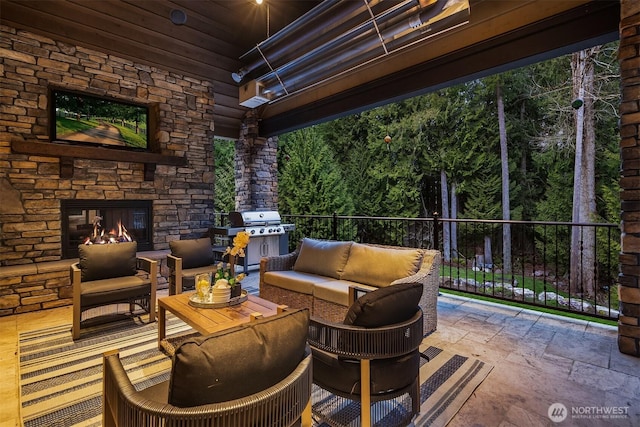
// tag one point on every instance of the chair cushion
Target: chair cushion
(385, 306)
(238, 362)
(194, 252)
(116, 289)
(107, 261)
(322, 257)
(375, 266)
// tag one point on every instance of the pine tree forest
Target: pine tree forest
(538, 143)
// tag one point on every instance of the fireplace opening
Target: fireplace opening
(105, 221)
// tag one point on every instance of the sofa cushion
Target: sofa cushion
(194, 252)
(238, 362)
(107, 261)
(337, 291)
(294, 280)
(322, 257)
(385, 306)
(376, 266)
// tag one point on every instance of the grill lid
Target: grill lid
(254, 218)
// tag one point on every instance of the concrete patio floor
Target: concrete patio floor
(539, 360)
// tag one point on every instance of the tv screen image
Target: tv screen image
(91, 120)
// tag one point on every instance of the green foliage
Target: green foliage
(309, 180)
(224, 154)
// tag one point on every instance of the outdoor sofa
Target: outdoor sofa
(327, 276)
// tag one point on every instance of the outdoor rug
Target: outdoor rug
(61, 380)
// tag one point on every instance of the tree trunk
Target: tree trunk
(446, 240)
(506, 207)
(583, 238)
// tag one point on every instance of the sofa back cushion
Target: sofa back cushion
(385, 306)
(194, 252)
(379, 267)
(238, 362)
(107, 261)
(322, 257)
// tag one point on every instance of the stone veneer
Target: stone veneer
(31, 187)
(256, 168)
(629, 289)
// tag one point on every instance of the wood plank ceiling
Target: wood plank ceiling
(501, 34)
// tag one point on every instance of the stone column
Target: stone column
(629, 288)
(256, 168)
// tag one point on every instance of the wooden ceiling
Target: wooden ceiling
(501, 34)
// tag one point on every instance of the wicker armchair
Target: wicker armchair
(258, 374)
(110, 274)
(367, 363)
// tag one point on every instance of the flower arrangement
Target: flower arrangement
(226, 271)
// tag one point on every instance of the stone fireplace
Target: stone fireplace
(102, 221)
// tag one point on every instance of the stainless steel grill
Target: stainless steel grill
(268, 236)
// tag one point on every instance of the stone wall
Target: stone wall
(31, 187)
(629, 289)
(256, 168)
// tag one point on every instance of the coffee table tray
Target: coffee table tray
(194, 301)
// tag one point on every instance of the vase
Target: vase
(236, 290)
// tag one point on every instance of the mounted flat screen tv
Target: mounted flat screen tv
(79, 118)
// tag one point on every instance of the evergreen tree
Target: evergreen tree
(224, 155)
(310, 183)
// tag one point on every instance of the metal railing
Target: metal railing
(560, 265)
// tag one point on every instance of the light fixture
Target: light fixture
(178, 16)
(237, 77)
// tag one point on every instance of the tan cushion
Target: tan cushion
(293, 280)
(376, 266)
(427, 258)
(336, 291)
(322, 257)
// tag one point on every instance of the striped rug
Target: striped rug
(61, 380)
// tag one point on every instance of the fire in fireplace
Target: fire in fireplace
(104, 221)
(100, 235)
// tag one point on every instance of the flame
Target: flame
(122, 235)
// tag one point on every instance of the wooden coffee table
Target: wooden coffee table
(209, 320)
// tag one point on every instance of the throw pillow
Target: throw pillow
(194, 252)
(322, 257)
(385, 306)
(107, 261)
(238, 362)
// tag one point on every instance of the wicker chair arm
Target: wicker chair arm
(366, 343)
(279, 405)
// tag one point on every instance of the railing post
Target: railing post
(334, 226)
(436, 232)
